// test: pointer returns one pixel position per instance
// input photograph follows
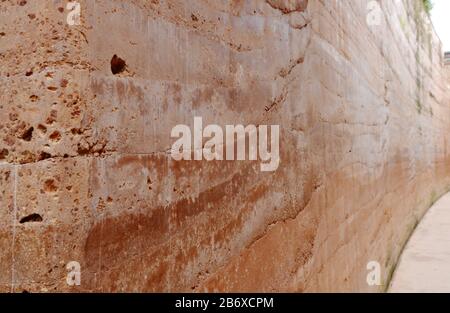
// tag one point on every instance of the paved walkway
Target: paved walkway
(425, 263)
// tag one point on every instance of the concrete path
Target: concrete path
(425, 263)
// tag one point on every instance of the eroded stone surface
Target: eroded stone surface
(364, 115)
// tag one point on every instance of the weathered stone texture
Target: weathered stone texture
(364, 114)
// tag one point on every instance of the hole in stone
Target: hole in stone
(76, 131)
(50, 186)
(42, 128)
(3, 154)
(44, 155)
(28, 134)
(55, 136)
(149, 183)
(63, 83)
(29, 73)
(117, 65)
(52, 118)
(34, 98)
(31, 218)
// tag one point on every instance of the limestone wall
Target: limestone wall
(84, 165)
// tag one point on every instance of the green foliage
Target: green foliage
(428, 5)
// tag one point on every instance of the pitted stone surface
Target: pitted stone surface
(85, 176)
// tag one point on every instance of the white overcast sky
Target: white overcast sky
(441, 21)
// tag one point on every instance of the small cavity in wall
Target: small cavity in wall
(447, 58)
(31, 218)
